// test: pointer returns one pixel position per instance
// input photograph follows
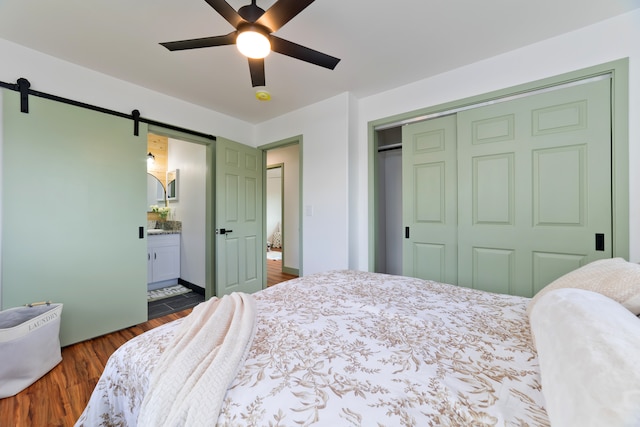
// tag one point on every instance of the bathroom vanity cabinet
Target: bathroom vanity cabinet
(163, 257)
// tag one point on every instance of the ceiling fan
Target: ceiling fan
(253, 22)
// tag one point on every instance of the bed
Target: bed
(353, 348)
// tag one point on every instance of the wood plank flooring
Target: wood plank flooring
(58, 398)
(275, 274)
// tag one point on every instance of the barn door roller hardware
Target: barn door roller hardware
(23, 88)
(136, 122)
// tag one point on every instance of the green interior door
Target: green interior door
(240, 249)
(534, 188)
(429, 209)
(73, 197)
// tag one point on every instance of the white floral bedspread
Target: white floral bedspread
(348, 348)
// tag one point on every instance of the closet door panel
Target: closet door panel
(535, 182)
(429, 185)
(429, 260)
(493, 187)
(547, 266)
(559, 186)
(429, 193)
(495, 267)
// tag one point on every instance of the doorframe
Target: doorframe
(619, 71)
(209, 247)
(270, 146)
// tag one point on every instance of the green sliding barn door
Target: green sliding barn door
(534, 180)
(429, 208)
(240, 253)
(73, 197)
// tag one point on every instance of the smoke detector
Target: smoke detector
(263, 95)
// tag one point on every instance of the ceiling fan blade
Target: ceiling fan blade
(297, 51)
(203, 42)
(281, 12)
(256, 68)
(226, 11)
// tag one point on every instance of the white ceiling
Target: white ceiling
(382, 44)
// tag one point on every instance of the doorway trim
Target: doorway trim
(294, 140)
(209, 248)
(619, 71)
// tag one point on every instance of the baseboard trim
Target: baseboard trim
(289, 270)
(195, 288)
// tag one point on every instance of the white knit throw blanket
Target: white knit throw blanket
(188, 385)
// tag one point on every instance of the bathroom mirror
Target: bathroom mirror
(156, 194)
(172, 185)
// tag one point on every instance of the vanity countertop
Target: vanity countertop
(158, 228)
(160, 232)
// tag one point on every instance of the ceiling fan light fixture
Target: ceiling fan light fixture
(253, 43)
(255, 27)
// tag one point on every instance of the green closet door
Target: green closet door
(73, 197)
(534, 178)
(429, 187)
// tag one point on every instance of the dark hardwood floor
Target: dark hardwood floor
(58, 398)
(274, 272)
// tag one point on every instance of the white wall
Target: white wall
(289, 156)
(325, 162)
(190, 208)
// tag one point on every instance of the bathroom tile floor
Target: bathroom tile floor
(169, 305)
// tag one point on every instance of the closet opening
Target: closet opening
(388, 250)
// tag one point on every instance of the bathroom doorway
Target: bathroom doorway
(181, 164)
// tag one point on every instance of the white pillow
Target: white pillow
(612, 277)
(589, 354)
